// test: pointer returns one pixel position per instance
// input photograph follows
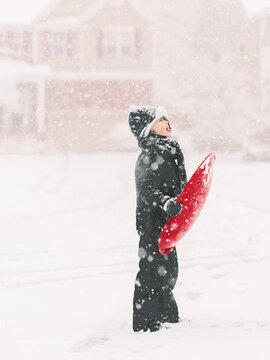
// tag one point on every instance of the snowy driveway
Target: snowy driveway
(68, 259)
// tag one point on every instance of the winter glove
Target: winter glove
(172, 207)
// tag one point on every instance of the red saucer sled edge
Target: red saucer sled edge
(192, 198)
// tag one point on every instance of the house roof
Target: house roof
(101, 75)
(77, 17)
(12, 69)
(67, 9)
(81, 10)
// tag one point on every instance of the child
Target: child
(160, 176)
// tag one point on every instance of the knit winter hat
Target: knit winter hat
(142, 119)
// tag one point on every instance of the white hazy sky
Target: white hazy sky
(26, 10)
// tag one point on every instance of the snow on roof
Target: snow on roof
(10, 68)
(69, 16)
(75, 18)
(102, 75)
(67, 9)
(59, 23)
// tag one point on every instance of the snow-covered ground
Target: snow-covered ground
(68, 261)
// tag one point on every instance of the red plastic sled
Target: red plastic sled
(192, 198)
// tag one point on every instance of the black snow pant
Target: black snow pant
(153, 300)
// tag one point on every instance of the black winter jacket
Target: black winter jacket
(159, 174)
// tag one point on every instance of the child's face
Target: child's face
(162, 127)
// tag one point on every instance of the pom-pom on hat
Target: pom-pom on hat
(142, 118)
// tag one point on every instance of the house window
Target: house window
(18, 40)
(59, 44)
(1, 117)
(2, 38)
(118, 42)
(16, 121)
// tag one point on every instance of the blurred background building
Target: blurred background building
(69, 77)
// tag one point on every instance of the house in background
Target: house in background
(259, 43)
(256, 50)
(263, 20)
(100, 59)
(90, 59)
